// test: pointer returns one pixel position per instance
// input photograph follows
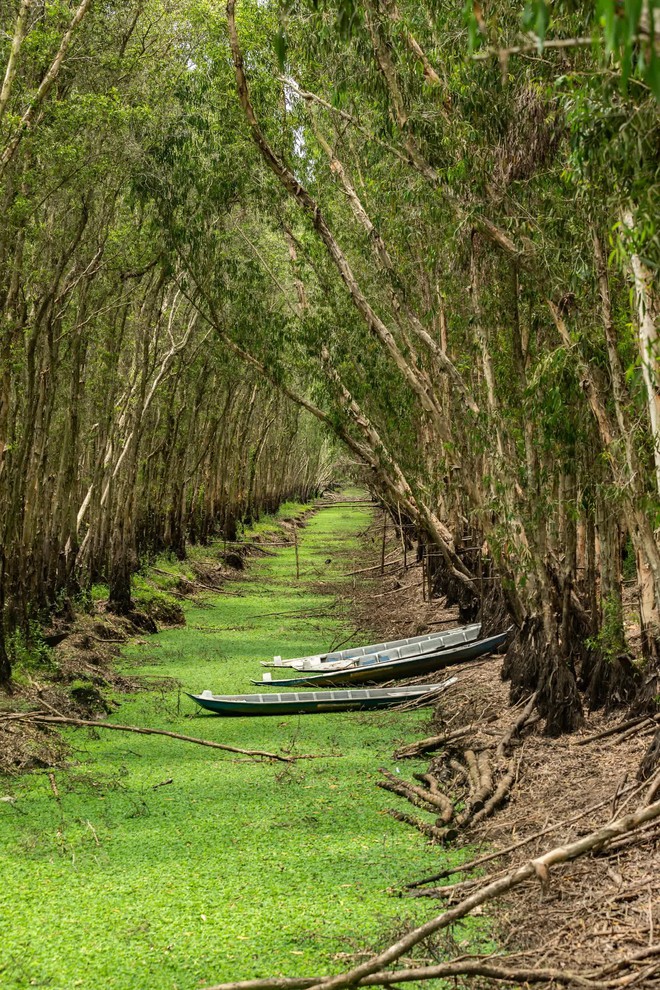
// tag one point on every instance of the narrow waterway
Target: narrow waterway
(231, 869)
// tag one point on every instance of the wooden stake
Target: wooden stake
(295, 543)
(403, 538)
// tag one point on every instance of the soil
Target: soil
(593, 912)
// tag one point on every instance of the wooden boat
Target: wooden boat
(308, 702)
(441, 641)
(339, 660)
(387, 670)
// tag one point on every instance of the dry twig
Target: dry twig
(81, 722)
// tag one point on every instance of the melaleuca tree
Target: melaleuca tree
(425, 175)
(124, 425)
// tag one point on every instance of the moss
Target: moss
(99, 592)
(157, 604)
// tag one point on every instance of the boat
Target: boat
(461, 634)
(441, 641)
(309, 702)
(387, 670)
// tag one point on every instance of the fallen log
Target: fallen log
(500, 795)
(537, 867)
(459, 770)
(447, 808)
(472, 769)
(485, 788)
(401, 791)
(489, 967)
(90, 723)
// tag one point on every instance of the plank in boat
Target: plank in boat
(387, 670)
(342, 658)
(309, 702)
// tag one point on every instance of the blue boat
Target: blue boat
(369, 671)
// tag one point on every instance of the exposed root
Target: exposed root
(477, 784)
(651, 759)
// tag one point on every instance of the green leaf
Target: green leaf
(652, 76)
(536, 18)
(281, 45)
(607, 14)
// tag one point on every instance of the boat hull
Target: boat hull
(382, 671)
(310, 702)
(466, 633)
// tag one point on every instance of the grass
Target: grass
(235, 869)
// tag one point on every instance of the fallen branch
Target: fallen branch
(430, 744)
(60, 720)
(480, 860)
(537, 867)
(375, 567)
(301, 613)
(620, 727)
(18, 716)
(426, 828)
(394, 591)
(461, 967)
(643, 833)
(516, 726)
(424, 700)
(636, 730)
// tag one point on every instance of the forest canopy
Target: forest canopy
(237, 241)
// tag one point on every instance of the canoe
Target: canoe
(387, 670)
(441, 641)
(462, 634)
(309, 702)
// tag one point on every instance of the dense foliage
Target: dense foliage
(125, 424)
(432, 228)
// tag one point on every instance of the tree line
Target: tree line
(126, 426)
(433, 230)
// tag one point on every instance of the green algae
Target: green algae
(234, 869)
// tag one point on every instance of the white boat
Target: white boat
(397, 649)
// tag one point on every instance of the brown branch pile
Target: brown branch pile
(478, 780)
